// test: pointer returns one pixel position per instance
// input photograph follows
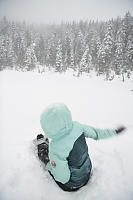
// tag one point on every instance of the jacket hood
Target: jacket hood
(56, 120)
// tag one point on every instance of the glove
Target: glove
(120, 129)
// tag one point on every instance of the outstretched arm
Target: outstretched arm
(98, 134)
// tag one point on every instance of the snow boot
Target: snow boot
(43, 148)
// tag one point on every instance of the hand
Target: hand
(120, 129)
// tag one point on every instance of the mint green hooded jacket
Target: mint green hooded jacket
(56, 122)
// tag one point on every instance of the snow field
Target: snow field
(95, 102)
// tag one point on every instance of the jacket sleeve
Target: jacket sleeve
(96, 133)
(59, 170)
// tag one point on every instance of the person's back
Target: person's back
(69, 161)
(79, 164)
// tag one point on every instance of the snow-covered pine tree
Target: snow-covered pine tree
(130, 57)
(105, 54)
(40, 50)
(119, 57)
(101, 60)
(67, 52)
(52, 44)
(129, 46)
(59, 58)
(85, 63)
(72, 64)
(79, 47)
(95, 45)
(11, 57)
(30, 58)
(124, 47)
(22, 47)
(3, 53)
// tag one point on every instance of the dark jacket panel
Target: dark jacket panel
(79, 163)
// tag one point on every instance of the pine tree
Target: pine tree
(119, 61)
(95, 46)
(11, 57)
(85, 63)
(79, 48)
(3, 53)
(105, 54)
(30, 58)
(72, 65)
(22, 45)
(68, 47)
(101, 60)
(130, 55)
(129, 45)
(40, 49)
(59, 58)
(124, 47)
(52, 50)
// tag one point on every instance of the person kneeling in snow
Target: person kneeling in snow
(69, 162)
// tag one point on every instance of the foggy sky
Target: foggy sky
(45, 11)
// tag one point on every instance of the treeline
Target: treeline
(105, 47)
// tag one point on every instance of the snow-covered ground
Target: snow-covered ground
(95, 102)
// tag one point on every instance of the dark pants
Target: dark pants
(65, 188)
